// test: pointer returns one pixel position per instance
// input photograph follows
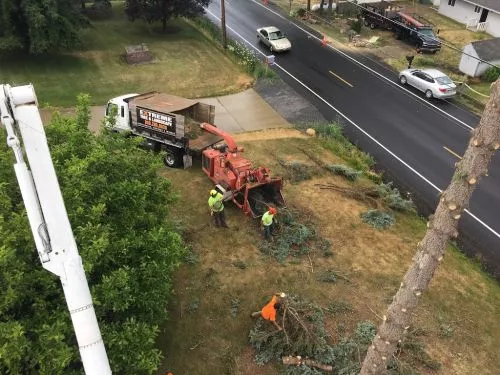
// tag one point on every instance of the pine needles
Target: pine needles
(304, 334)
(295, 236)
(377, 219)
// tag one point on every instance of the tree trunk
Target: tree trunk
(330, 4)
(297, 361)
(164, 24)
(485, 140)
(321, 5)
(309, 5)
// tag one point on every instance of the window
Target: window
(477, 9)
(122, 111)
(451, 3)
(112, 109)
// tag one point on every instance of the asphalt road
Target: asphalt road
(416, 141)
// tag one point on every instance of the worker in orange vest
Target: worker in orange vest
(268, 312)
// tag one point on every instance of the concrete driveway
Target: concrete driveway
(236, 113)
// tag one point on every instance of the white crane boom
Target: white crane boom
(49, 220)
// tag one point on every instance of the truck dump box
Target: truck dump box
(160, 115)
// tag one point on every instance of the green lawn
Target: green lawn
(185, 63)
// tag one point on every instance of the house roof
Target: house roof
(488, 50)
(493, 5)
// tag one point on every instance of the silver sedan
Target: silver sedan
(432, 82)
(273, 38)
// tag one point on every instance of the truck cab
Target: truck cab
(420, 35)
(120, 105)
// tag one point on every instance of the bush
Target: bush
(356, 26)
(246, 58)
(117, 205)
(301, 12)
(333, 139)
(491, 74)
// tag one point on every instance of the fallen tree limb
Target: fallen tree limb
(297, 361)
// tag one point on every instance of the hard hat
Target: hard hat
(282, 295)
(273, 211)
(213, 192)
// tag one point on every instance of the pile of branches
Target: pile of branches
(348, 173)
(294, 235)
(305, 340)
(296, 171)
(376, 196)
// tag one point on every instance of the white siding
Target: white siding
(493, 25)
(482, 67)
(461, 12)
(468, 64)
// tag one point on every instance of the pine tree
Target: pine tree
(485, 140)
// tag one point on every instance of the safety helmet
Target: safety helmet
(273, 211)
(213, 192)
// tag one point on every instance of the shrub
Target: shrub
(301, 12)
(117, 205)
(333, 139)
(356, 26)
(491, 74)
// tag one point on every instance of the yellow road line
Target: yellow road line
(456, 155)
(342, 79)
(452, 152)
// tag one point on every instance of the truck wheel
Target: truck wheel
(171, 159)
(366, 22)
(373, 26)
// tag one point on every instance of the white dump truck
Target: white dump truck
(168, 123)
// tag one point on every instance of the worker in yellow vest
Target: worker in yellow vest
(267, 222)
(217, 208)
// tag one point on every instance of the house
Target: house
(486, 50)
(477, 15)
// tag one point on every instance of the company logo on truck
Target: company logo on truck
(156, 121)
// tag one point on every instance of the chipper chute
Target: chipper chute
(261, 196)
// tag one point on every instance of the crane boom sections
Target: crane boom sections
(49, 220)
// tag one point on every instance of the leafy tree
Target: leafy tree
(162, 10)
(117, 206)
(484, 142)
(40, 25)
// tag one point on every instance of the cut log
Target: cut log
(297, 361)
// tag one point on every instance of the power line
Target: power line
(419, 33)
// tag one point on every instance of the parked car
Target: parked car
(273, 38)
(434, 83)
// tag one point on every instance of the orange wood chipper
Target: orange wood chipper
(251, 189)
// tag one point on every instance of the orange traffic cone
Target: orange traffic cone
(323, 41)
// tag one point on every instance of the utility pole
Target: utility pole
(223, 23)
(49, 220)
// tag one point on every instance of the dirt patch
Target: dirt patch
(268, 134)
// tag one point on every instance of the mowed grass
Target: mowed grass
(458, 315)
(185, 63)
